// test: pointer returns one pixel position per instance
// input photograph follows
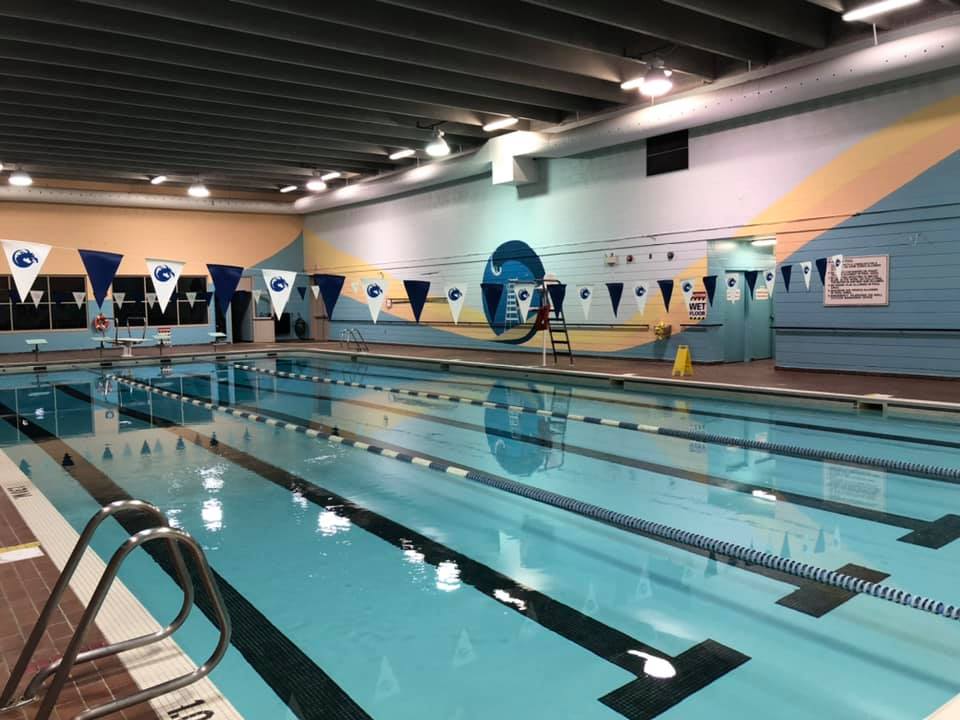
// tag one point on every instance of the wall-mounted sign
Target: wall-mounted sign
(698, 305)
(733, 288)
(865, 281)
(761, 293)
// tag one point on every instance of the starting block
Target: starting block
(682, 363)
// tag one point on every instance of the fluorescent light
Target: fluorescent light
(198, 190)
(656, 82)
(764, 242)
(873, 9)
(20, 178)
(401, 154)
(330, 176)
(1, 167)
(500, 124)
(158, 179)
(316, 184)
(438, 146)
(288, 188)
(631, 84)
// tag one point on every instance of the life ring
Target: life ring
(101, 323)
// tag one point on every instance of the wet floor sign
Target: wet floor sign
(682, 363)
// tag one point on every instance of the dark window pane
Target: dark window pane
(155, 317)
(196, 315)
(28, 317)
(667, 153)
(67, 284)
(67, 316)
(192, 283)
(131, 312)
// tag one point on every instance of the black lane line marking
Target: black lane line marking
(440, 464)
(668, 408)
(297, 680)
(810, 600)
(933, 534)
(598, 638)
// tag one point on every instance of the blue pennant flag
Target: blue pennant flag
(225, 281)
(492, 294)
(557, 293)
(417, 294)
(302, 291)
(786, 271)
(616, 292)
(751, 278)
(710, 285)
(666, 289)
(822, 269)
(330, 287)
(101, 268)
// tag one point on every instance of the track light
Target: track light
(438, 146)
(500, 124)
(871, 10)
(288, 188)
(158, 179)
(198, 190)
(330, 176)
(401, 154)
(20, 178)
(316, 184)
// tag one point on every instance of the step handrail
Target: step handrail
(43, 620)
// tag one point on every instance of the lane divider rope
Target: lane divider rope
(623, 521)
(902, 467)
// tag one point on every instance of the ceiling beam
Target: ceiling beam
(835, 5)
(798, 22)
(97, 173)
(673, 24)
(566, 30)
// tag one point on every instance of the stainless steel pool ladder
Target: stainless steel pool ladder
(353, 335)
(60, 669)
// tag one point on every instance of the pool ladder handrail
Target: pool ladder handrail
(61, 668)
(353, 335)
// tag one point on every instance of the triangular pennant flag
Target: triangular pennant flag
(151, 298)
(710, 285)
(329, 287)
(666, 289)
(36, 296)
(822, 270)
(456, 296)
(616, 292)
(257, 294)
(524, 292)
(375, 291)
(585, 293)
(225, 280)
(807, 268)
(79, 298)
(492, 295)
(315, 289)
(118, 300)
(191, 298)
(25, 260)
(303, 292)
(417, 295)
(557, 292)
(164, 274)
(751, 278)
(101, 268)
(686, 287)
(641, 290)
(785, 272)
(279, 285)
(770, 279)
(837, 262)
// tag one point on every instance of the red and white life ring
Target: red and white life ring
(101, 323)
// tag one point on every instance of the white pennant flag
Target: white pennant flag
(585, 293)
(315, 289)
(376, 292)
(36, 296)
(686, 287)
(151, 298)
(257, 294)
(837, 262)
(279, 285)
(770, 278)
(807, 269)
(25, 260)
(524, 293)
(640, 291)
(164, 274)
(79, 297)
(191, 298)
(456, 296)
(118, 300)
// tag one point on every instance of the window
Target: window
(57, 309)
(134, 310)
(667, 153)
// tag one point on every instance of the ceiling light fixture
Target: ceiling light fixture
(330, 176)
(316, 184)
(764, 242)
(401, 154)
(288, 188)
(657, 81)
(500, 124)
(198, 190)
(871, 10)
(438, 146)
(158, 179)
(20, 178)
(1, 167)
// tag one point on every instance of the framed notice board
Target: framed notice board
(863, 281)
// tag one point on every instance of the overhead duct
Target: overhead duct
(142, 200)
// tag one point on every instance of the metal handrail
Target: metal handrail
(358, 339)
(36, 635)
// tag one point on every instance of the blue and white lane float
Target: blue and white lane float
(936, 472)
(623, 521)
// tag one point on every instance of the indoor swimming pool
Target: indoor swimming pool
(393, 572)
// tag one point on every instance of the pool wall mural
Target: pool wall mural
(868, 175)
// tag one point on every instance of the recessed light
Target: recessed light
(20, 178)
(500, 124)
(316, 184)
(288, 188)
(330, 176)
(198, 190)
(158, 179)
(401, 154)
(873, 9)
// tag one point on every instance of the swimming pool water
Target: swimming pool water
(362, 586)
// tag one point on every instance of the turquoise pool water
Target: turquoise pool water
(364, 586)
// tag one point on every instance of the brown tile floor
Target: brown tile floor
(24, 587)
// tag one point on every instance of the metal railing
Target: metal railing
(60, 669)
(352, 335)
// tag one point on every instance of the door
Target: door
(732, 296)
(747, 318)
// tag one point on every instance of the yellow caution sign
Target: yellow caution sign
(683, 363)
